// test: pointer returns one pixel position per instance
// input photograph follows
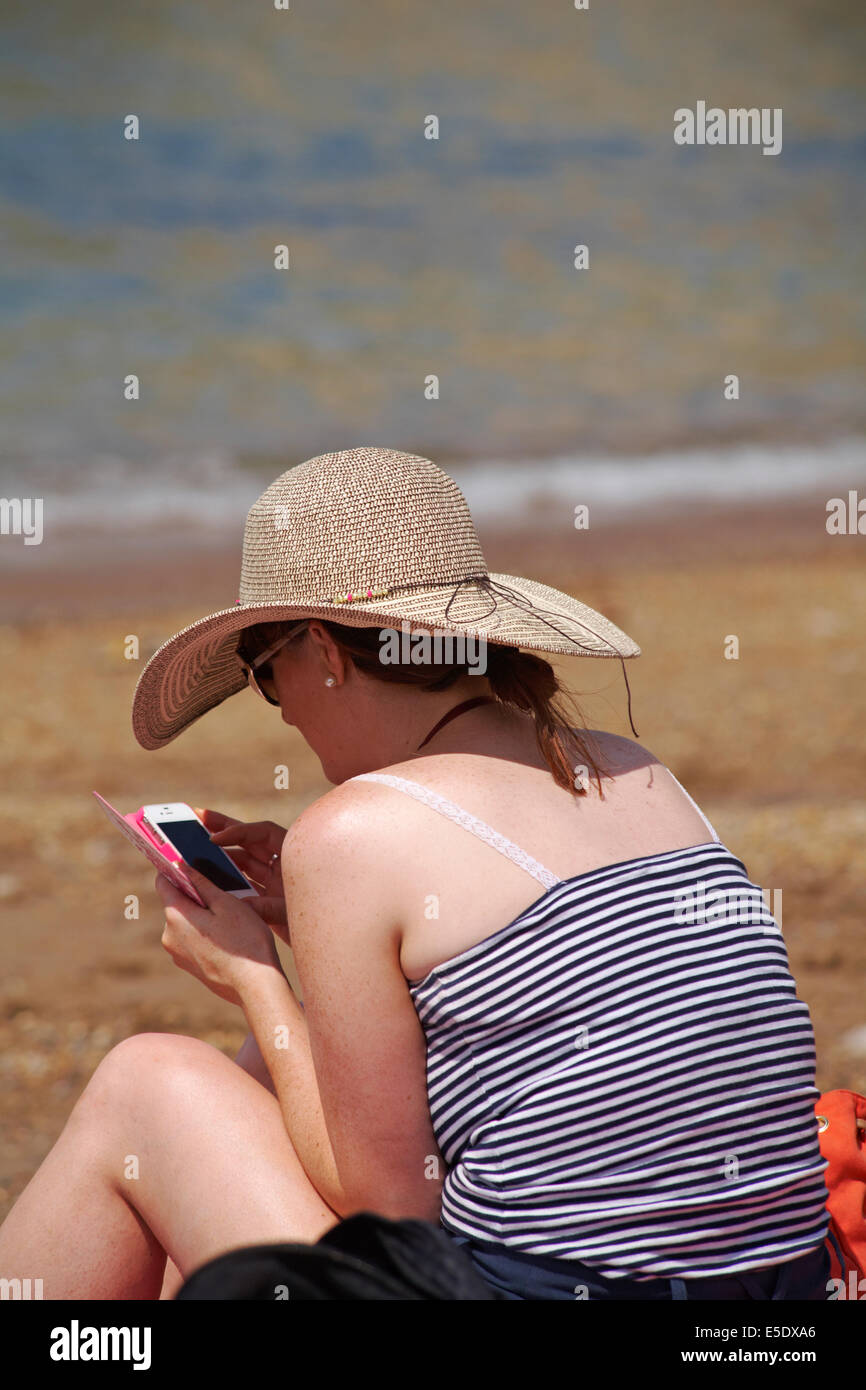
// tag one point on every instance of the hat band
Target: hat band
(483, 581)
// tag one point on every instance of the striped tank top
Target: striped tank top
(623, 1075)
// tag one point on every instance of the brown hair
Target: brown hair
(517, 678)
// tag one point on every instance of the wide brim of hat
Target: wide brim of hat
(198, 668)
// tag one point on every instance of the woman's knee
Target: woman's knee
(165, 1117)
(164, 1062)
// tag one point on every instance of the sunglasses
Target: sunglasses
(263, 682)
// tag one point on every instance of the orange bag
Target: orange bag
(841, 1119)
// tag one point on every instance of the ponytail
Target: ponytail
(530, 683)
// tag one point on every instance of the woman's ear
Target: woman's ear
(333, 659)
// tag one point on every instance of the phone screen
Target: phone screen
(191, 841)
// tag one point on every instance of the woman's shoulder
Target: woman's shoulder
(625, 752)
(617, 755)
(354, 819)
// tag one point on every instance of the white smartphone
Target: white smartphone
(178, 824)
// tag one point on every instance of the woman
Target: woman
(520, 1017)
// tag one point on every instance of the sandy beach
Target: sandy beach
(771, 746)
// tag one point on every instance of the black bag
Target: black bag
(366, 1256)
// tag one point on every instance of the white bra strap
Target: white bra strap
(697, 808)
(467, 821)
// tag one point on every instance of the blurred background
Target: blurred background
(557, 387)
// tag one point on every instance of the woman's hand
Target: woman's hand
(255, 847)
(223, 944)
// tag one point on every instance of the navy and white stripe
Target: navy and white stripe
(612, 1084)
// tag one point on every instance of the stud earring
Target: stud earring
(330, 681)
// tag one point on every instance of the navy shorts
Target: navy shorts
(520, 1276)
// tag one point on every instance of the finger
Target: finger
(261, 888)
(250, 832)
(214, 820)
(235, 855)
(247, 863)
(250, 835)
(210, 895)
(271, 910)
(207, 890)
(174, 897)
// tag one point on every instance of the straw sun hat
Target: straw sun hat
(364, 537)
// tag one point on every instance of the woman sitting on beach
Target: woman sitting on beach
(520, 1018)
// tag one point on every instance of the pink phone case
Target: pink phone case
(165, 858)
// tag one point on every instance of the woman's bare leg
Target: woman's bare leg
(253, 1063)
(215, 1171)
(172, 1280)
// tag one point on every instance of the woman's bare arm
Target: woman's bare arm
(250, 1060)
